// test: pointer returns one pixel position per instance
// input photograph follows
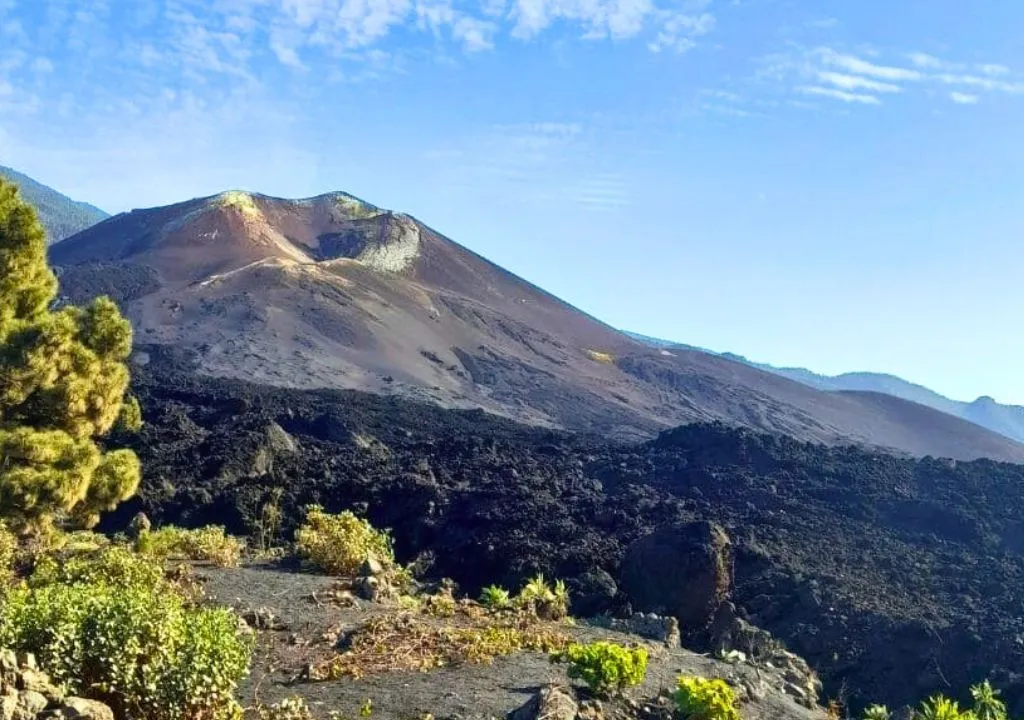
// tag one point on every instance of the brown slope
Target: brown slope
(334, 292)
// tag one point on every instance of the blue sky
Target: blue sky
(835, 185)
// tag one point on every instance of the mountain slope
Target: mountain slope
(334, 292)
(1007, 420)
(61, 216)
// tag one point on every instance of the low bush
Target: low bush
(207, 544)
(605, 667)
(701, 698)
(8, 551)
(543, 599)
(110, 627)
(339, 544)
(495, 598)
(877, 712)
(939, 707)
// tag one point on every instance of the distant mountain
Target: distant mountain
(1007, 420)
(61, 216)
(334, 292)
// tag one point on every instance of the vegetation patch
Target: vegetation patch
(700, 698)
(208, 544)
(601, 357)
(409, 642)
(339, 544)
(111, 627)
(606, 667)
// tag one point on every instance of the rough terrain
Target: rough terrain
(894, 577)
(302, 623)
(334, 292)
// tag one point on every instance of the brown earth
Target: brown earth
(333, 292)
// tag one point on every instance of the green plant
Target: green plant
(111, 628)
(700, 698)
(8, 550)
(939, 707)
(987, 703)
(605, 667)
(495, 598)
(339, 544)
(63, 379)
(268, 526)
(209, 544)
(876, 712)
(290, 708)
(542, 599)
(366, 709)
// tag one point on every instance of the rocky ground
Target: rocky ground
(303, 618)
(895, 578)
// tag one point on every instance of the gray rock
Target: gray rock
(552, 702)
(30, 703)
(76, 708)
(684, 570)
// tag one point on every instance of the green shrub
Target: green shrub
(877, 712)
(8, 550)
(939, 707)
(546, 601)
(495, 598)
(987, 703)
(290, 708)
(605, 667)
(207, 544)
(110, 627)
(701, 698)
(339, 544)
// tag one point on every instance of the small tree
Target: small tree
(63, 378)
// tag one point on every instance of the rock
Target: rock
(30, 703)
(262, 619)
(8, 705)
(374, 589)
(371, 567)
(592, 593)
(552, 702)
(684, 570)
(36, 681)
(82, 709)
(140, 524)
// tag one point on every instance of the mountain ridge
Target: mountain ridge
(1007, 420)
(332, 291)
(61, 216)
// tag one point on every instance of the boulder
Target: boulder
(592, 593)
(552, 702)
(76, 708)
(683, 570)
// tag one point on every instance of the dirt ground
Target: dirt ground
(305, 614)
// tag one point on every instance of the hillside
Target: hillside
(918, 591)
(61, 216)
(1007, 420)
(334, 292)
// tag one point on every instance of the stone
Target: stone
(592, 593)
(684, 570)
(8, 705)
(76, 708)
(371, 567)
(552, 702)
(36, 681)
(30, 703)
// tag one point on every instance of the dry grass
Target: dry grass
(601, 357)
(419, 642)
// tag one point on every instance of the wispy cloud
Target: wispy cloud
(963, 98)
(864, 78)
(859, 66)
(847, 97)
(856, 82)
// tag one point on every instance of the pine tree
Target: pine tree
(63, 379)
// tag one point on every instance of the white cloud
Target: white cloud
(679, 32)
(858, 66)
(925, 61)
(982, 83)
(855, 82)
(963, 98)
(993, 70)
(847, 97)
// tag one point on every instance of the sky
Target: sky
(835, 185)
